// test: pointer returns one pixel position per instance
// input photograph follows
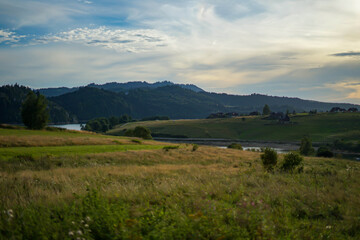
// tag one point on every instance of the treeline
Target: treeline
(104, 124)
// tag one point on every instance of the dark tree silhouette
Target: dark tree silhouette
(266, 110)
(34, 112)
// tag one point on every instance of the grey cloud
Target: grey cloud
(346, 54)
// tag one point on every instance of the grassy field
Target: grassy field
(103, 192)
(324, 127)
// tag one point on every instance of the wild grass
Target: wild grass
(209, 193)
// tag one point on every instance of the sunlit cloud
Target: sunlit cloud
(351, 87)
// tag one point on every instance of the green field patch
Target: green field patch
(322, 127)
(7, 153)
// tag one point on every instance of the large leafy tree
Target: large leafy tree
(34, 112)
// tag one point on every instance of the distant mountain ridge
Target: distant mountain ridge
(142, 99)
(116, 87)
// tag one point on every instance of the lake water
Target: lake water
(68, 126)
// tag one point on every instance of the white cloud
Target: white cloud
(9, 37)
(117, 39)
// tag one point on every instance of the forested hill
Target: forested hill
(176, 102)
(172, 100)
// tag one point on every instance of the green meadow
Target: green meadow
(322, 127)
(126, 188)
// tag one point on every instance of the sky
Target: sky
(297, 48)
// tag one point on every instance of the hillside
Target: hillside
(325, 127)
(88, 103)
(54, 186)
(176, 102)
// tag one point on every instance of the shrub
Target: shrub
(291, 161)
(167, 148)
(324, 152)
(139, 131)
(235, 146)
(306, 148)
(195, 147)
(142, 132)
(269, 159)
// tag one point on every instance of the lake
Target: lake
(68, 126)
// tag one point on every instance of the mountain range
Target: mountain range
(142, 99)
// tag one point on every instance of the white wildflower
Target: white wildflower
(79, 232)
(71, 233)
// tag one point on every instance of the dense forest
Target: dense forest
(141, 100)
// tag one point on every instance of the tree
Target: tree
(306, 147)
(34, 112)
(266, 110)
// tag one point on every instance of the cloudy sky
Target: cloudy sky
(300, 48)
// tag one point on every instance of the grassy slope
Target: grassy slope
(34, 138)
(320, 127)
(209, 193)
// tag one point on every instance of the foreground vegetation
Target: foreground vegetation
(179, 192)
(322, 127)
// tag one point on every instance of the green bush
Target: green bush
(142, 132)
(291, 161)
(306, 148)
(235, 146)
(139, 131)
(195, 147)
(324, 152)
(269, 159)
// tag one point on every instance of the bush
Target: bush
(306, 148)
(324, 152)
(142, 132)
(291, 161)
(139, 131)
(195, 147)
(269, 159)
(235, 146)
